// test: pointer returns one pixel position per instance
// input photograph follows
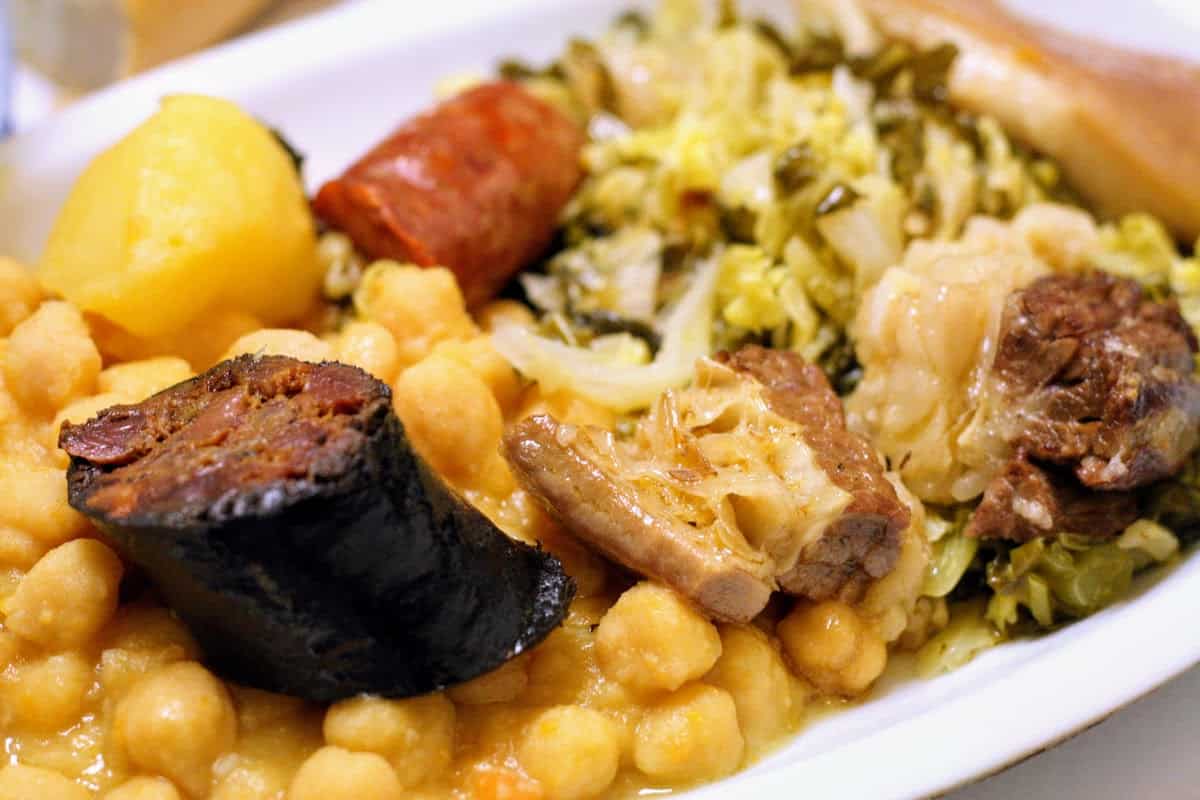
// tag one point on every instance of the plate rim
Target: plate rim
(922, 759)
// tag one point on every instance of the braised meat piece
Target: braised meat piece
(1104, 378)
(863, 542)
(280, 510)
(1026, 501)
(745, 482)
(1101, 395)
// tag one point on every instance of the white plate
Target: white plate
(336, 84)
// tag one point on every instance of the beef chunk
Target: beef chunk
(1102, 399)
(1026, 501)
(1104, 378)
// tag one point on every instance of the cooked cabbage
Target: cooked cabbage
(686, 334)
(968, 634)
(1071, 576)
(821, 198)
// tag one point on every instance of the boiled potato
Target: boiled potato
(199, 209)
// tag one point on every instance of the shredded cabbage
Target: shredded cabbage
(968, 634)
(686, 333)
(953, 555)
(1071, 576)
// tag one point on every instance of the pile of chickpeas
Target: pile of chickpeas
(103, 693)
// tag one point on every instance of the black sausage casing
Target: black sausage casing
(282, 513)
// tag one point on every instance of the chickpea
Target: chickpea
(47, 694)
(505, 312)
(282, 342)
(18, 549)
(19, 294)
(501, 783)
(421, 307)
(479, 356)
(691, 736)
(251, 779)
(370, 346)
(258, 710)
(68, 596)
(35, 501)
(21, 782)
(753, 673)
(565, 406)
(140, 640)
(502, 685)
(51, 359)
(588, 570)
(415, 736)
(175, 723)
(137, 380)
(332, 773)
(221, 328)
(651, 639)
(573, 752)
(832, 646)
(562, 669)
(450, 417)
(144, 789)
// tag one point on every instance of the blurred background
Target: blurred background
(62, 49)
(54, 51)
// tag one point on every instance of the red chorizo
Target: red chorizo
(475, 185)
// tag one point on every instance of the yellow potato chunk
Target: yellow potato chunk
(19, 782)
(175, 723)
(573, 752)
(199, 207)
(832, 646)
(332, 773)
(651, 639)
(691, 736)
(68, 596)
(415, 736)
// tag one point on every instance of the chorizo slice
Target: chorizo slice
(279, 509)
(475, 185)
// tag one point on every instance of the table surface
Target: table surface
(1146, 750)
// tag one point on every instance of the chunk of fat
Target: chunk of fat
(926, 336)
(1121, 123)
